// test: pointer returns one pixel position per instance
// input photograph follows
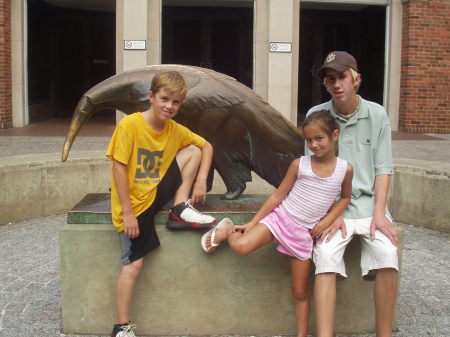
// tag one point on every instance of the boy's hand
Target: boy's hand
(337, 224)
(381, 222)
(131, 226)
(199, 192)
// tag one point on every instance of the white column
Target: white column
(19, 71)
(284, 18)
(154, 32)
(131, 24)
(261, 47)
(393, 73)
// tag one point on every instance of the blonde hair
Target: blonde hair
(172, 81)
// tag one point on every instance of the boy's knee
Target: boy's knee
(387, 253)
(323, 253)
(189, 154)
(190, 151)
(134, 268)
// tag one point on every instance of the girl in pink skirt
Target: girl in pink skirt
(314, 192)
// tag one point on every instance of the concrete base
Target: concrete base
(184, 291)
(420, 193)
(40, 184)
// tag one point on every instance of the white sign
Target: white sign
(134, 44)
(280, 47)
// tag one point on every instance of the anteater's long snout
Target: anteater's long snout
(82, 113)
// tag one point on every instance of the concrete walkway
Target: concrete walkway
(29, 267)
(422, 147)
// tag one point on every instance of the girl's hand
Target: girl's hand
(318, 229)
(242, 228)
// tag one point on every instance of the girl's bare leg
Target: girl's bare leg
(242, 243)
(300, 270)
(250, 240)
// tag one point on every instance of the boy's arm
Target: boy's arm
(199, 188)
(323, 229)
(379, 219)
(123, 192)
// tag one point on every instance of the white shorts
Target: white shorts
(377, 254)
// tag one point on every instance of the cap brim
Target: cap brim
(339, 68)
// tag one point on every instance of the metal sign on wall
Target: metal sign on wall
(134, 44)
(280, 47)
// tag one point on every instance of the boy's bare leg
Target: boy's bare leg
(385, 294)
(188, 160)
(124, 289)
(325, 303)
(299, 280)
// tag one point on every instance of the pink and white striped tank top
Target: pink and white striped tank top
(312, 196)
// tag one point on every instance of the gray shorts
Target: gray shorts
(380, 253)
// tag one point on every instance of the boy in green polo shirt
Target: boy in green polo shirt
(365, 142)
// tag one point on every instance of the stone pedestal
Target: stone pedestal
(184, 291)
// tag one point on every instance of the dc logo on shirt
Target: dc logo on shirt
(148, 163)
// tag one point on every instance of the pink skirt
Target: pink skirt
(293, 239)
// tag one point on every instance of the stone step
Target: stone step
(95, 208)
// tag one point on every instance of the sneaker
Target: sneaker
(123, 330)
(185, 216)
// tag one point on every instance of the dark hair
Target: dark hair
(324, 118)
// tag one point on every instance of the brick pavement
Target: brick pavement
(30, 294)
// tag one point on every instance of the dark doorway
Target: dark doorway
(217, 38)
(69, 51)
(360, 31)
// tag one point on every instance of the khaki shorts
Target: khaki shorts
(377, 254)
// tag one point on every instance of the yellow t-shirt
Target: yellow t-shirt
(147, 155)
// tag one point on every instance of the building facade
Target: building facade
(54, 50)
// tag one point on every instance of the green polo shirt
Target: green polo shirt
(365, 142)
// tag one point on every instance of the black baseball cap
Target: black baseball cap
(339, 61)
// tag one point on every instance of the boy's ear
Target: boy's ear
(335, 135)
(357, 80)
(150, 96)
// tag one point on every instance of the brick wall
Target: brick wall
(5, 65)
(425, 70)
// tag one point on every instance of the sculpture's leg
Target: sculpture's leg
(233, 173)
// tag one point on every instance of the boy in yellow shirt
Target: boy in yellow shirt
(154, 160)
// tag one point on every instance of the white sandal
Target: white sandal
(212, 231)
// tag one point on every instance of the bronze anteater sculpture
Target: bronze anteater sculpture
(246, 132)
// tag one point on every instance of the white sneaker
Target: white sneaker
(192, 215)
(189, 218)
(123, 330)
